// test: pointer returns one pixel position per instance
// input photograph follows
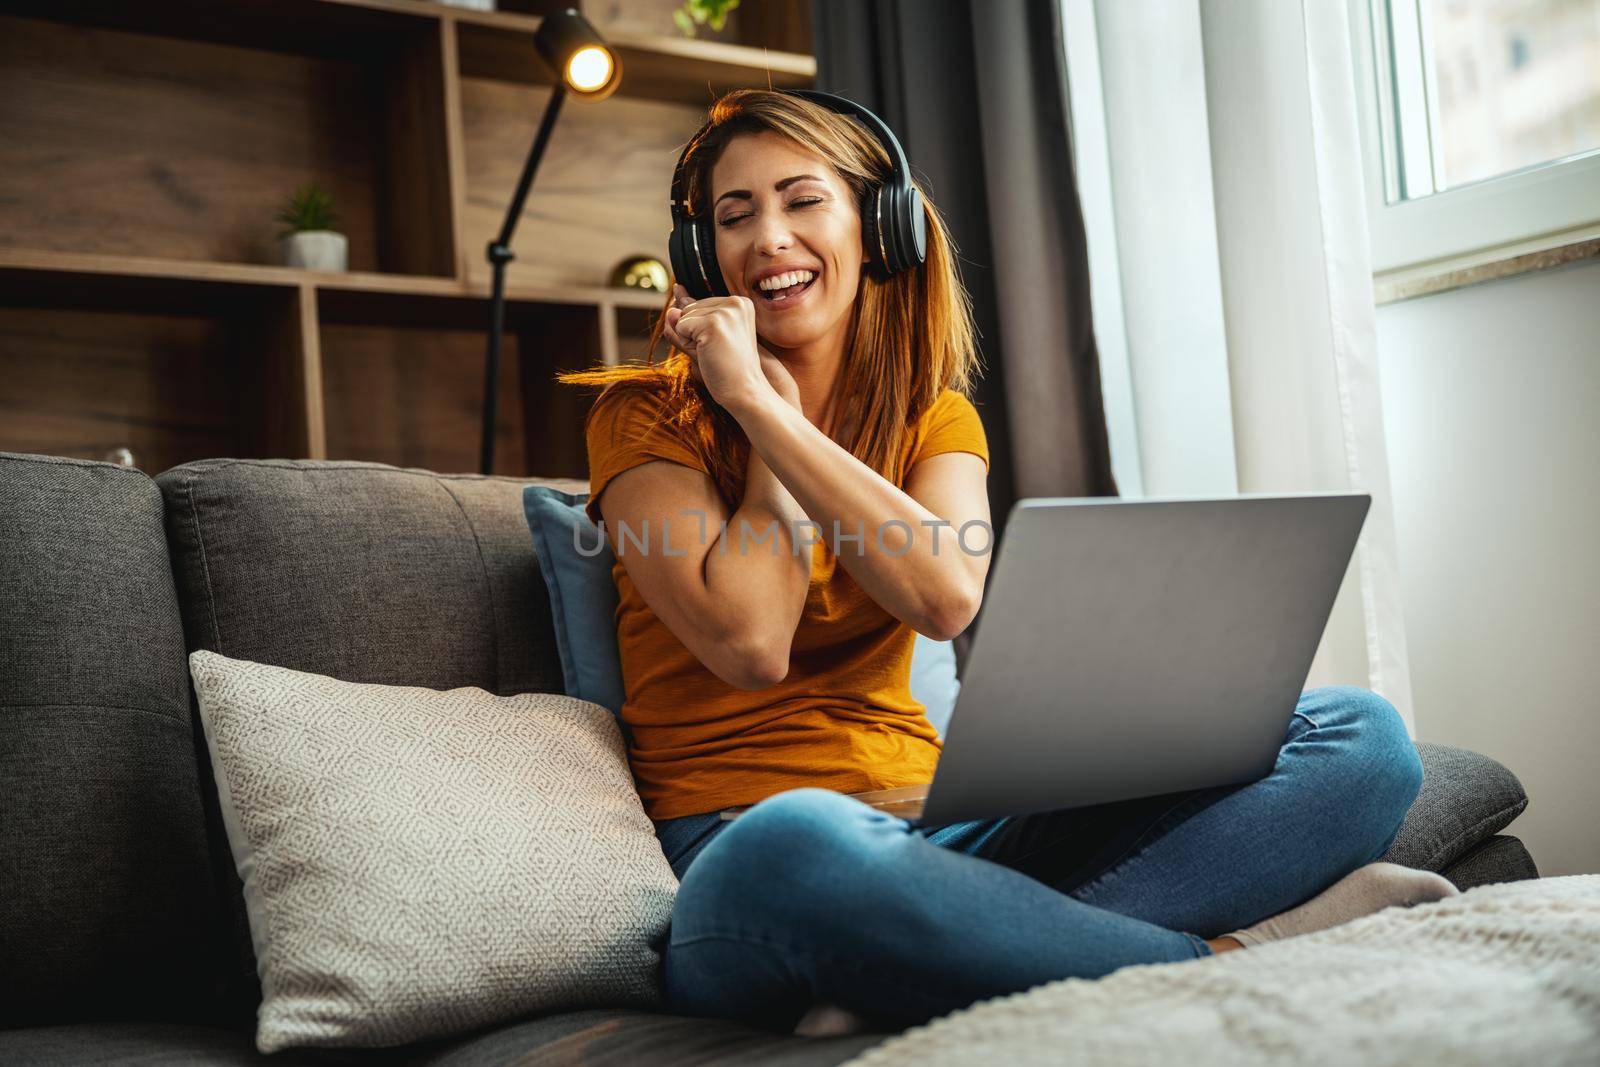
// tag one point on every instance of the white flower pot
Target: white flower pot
(316, 250)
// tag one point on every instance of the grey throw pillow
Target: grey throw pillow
(419, 862)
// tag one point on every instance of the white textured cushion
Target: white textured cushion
(419, 862)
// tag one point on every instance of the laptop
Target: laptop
(1135, 647)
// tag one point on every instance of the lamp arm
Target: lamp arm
(499, 254)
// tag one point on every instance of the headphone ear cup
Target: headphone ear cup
(871, 234)
(893, 220)
(708, 257)
(692, 248)
(904, 236)
(683, 271)
(916, 219)
(906, 241)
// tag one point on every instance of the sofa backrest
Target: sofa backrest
(108, 908)
(361, 571)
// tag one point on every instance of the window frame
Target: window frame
(1535, 208)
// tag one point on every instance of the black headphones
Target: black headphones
(893, 227)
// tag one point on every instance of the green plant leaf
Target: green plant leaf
(701, 12)
(720, 14)
(308, 208)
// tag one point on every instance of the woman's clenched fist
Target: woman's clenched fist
(719, 335)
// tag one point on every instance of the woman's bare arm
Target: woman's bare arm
(914, 556)
(735, 610)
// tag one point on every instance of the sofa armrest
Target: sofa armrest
(1466, 799)
(1500, 859)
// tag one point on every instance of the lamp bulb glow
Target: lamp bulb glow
(589, 69)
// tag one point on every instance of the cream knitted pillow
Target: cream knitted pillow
(418, 862)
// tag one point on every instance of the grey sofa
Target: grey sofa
(123, 935)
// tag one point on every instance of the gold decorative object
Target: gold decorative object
(640, 272)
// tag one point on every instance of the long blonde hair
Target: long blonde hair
(911, 336)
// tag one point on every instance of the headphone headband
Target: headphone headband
(894, 229)
(899, 167)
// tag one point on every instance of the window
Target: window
(1484, 88)
(1481, 121)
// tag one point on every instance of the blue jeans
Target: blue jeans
(814, 896)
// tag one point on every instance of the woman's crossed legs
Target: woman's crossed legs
(814, 896)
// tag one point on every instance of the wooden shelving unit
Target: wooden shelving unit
(144, 150)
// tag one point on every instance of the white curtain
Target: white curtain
(1298, 299)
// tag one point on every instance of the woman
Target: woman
(762, 668)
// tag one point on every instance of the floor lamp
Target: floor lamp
(592, 71)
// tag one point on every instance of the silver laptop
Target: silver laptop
(1134, 647)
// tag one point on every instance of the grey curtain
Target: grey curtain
(977, 93)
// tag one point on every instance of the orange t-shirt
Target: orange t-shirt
(844, 717)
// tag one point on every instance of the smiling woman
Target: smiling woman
(822, 388)
(746, 672)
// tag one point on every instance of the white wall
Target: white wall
(1491, 400)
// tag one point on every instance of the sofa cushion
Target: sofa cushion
(94, 1044)
(106, 903)
(419, 863)
(360, 571)
(1466, 798)
(576, 564)
(618, 1037)
(934, 682)
(595, 1037)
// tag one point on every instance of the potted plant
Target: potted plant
(699, 12)
(308, 239)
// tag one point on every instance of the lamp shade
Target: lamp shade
(588, 67)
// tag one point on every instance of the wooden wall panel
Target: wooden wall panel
(413, 397)
(343, 29)
(455, 150)
(416, 204)
(601, 191)
(81, 383)
(555, 412)
(633, 335)
(784, 25)
(277, 348)
(140, 145)
(643, 17)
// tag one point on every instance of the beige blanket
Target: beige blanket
(1501, 974)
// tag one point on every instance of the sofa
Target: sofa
(123, 931)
